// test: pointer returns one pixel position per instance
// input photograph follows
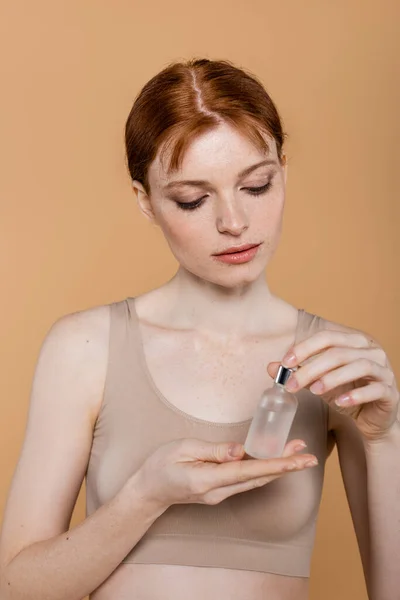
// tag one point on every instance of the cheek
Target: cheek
(184, 232)
(267, 215)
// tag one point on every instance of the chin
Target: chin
(233, 276)
(237, 282)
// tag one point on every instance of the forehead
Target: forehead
(222, 148)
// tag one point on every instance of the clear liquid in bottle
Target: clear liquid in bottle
(270, 427)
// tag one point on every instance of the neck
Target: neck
(193, 302)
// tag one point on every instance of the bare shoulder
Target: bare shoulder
(336, 326)
(89, 325)
(81, 340)
(331, 325)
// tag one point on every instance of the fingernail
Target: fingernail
(343, 400)
(236, 451)
(300, 446)
(311, 463)
(289, 359)
(317, 387)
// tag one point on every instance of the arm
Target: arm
(352, 461)
(39, 557)
(73, 564)
(383, 491)
(371, 477)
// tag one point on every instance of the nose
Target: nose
(231, 217)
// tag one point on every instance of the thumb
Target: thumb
(293, 447)
(272, 369)
(218, 452)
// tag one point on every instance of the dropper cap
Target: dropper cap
(283, 374)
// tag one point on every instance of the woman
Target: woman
(151, 398)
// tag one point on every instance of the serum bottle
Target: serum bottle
(269, 429)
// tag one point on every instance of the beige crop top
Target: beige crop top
(269, 529)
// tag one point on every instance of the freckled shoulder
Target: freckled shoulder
(335, 326)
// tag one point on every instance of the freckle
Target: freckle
(67, 538)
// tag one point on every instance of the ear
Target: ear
(143, 201)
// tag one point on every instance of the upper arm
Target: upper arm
(352, 461)
(66, 393)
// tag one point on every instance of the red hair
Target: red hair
(187, 99)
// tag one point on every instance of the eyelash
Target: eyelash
(253, 191)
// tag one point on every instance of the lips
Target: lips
(234, 249)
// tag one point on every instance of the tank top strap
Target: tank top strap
(308, 324)
(133, 327)
(120, 317)
(124, 351)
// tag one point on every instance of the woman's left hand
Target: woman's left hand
(352, 373)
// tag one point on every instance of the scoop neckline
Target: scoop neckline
(161, 396)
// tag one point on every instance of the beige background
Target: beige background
(72, 237)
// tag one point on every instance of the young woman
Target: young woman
(151, 397)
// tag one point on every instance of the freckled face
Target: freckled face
(199, 221)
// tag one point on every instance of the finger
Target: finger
(322, 373)
(368, 393)
(325, 338)
(192, 449)
(219, 494)
(296, 445)
(292, 447)
(358, 369)
(241, 471)
(272, 369)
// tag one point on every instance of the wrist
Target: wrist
(142, 494)
(389, 441)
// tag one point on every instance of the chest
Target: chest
(213, 379)
(134, 423)
(218, 382)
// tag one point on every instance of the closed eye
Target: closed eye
(257, 191)
(253, 191)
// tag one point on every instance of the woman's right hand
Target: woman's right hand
(195, 471)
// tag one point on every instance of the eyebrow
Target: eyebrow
(202, 182)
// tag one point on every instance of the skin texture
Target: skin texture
(228, 215)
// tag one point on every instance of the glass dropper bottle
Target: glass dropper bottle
(270, 426)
